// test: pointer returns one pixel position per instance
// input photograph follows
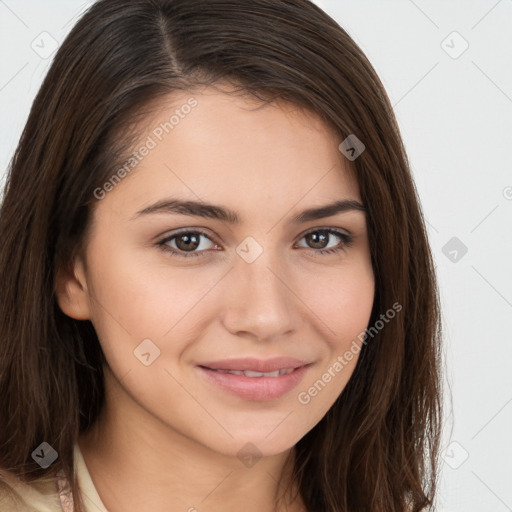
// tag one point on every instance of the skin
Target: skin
(167, 440)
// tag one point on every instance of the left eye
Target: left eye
(319, 236)
(186, 243)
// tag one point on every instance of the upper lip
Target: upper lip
(254, 364)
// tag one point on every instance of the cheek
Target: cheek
(136, 289)
(342, 299)
(343, 306)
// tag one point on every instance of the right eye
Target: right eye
(184, 243)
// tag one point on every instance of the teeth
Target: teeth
(250, 373)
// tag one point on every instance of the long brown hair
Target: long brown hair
(377, 447)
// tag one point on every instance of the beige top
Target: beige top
(51, 496)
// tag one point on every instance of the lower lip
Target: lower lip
(256, 388)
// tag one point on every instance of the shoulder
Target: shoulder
(38, 496)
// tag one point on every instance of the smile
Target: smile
(251, 373)
(254, 385)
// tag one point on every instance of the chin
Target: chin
(254, 443)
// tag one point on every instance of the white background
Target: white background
(456, 120)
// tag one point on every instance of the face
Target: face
(177, 293)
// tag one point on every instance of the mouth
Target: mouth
(255, 385)
(253, 373)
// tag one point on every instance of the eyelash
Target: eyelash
(347, 241)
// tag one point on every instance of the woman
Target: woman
(217, 284)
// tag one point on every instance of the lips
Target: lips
(255, 379)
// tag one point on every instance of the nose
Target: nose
(260, 301)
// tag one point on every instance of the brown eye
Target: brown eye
(185, 243)
(188, 241)
(319, 239)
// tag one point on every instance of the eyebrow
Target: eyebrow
(211, 211)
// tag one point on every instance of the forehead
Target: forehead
(228, 149)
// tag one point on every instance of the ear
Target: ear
(71, 290)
